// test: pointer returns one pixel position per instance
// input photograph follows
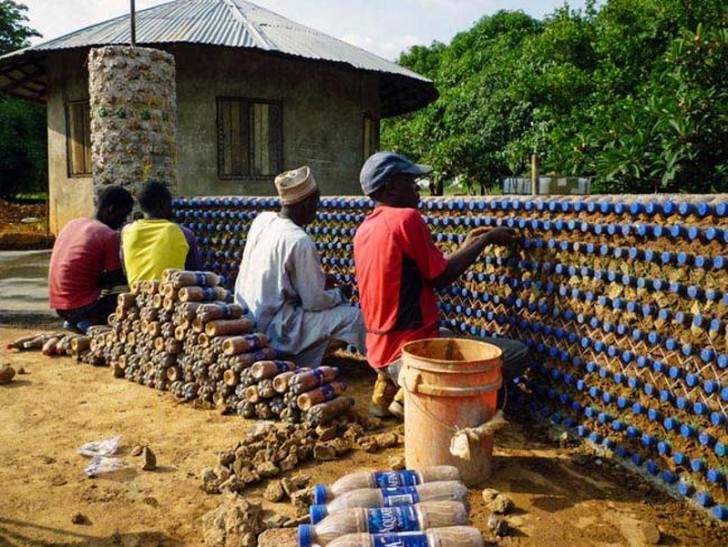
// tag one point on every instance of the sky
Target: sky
(383, 27)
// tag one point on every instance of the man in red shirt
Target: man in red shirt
(398, 269)
(85, 260)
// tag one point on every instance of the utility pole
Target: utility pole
(534, 175)
(132, 23)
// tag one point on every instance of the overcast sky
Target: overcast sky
(384, 27)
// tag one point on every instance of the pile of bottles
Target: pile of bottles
(409, 508)
(624, 303)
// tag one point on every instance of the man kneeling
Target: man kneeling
(282, 284)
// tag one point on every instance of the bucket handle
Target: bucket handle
(463, 439)
(413, 383)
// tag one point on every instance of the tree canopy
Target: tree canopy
(632, 93)
(23, 156)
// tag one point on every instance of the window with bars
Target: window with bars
(371, 135)
(78, 138)
(249, 138)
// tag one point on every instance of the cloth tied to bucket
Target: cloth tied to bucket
(462, 438)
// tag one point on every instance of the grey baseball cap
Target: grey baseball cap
(383, 165)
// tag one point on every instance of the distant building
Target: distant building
(256, 94)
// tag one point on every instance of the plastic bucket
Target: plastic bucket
(449, 382)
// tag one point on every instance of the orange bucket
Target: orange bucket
(449, 383)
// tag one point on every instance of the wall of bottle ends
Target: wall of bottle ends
(624, 302)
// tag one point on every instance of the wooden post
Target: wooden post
(132, 22)
(534, 175)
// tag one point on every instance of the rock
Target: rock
(279, 537)
(21, 370)
(489, 494)
(294, 484)
(271, 520)
(303, 519)
(137, 450)
(275, 492)
(80, 518)
(369, 445)
(396, 463)
(232, 484)
(267, 470)
(301, 500)
(500, 505)
(235, 523)
(326, 433)
(341, 446)
(289, 463)
(7, 373)
(353, 432)
(58, 480)
(649, 534)
(248, 476)
(150, 460)
(324, 452)
(386, 440)
(497, 525)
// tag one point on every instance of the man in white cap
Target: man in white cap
(282, 284)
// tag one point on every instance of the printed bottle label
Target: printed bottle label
(200, 278)
(407, 495)
(413, 539)
(208, 294)
(227, 311)
(328, 392)
(386, 520)
(318, 374)
(281, 366)
(395, 479)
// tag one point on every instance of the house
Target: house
(256, 94)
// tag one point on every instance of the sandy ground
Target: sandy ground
(45, 415)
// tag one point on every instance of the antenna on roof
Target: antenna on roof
(132, 23)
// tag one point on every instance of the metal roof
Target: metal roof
(225, 23)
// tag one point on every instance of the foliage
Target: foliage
(23, 164)
(632, 93)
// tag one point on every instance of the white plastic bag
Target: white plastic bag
(108, 447)
(101, 465)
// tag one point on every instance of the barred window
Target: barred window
(249, 138)
(78, 138)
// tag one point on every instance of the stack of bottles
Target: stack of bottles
(623, 300)
(418, 508)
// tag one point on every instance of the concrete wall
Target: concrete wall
(323, 109)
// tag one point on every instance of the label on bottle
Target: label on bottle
(407, 495)
(281, 366)
(200, 278)
(318, 374)
(227, 311)
(386, 520)
(328, 392)
(395, 479)
(208, 294)
(412, 539)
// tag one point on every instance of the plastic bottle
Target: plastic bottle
(384, 479)
(454, 536)
(404, 495)
(381, 520)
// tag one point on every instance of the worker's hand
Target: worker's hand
(474, 235)
(501, 236)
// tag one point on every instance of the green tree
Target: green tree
(23, 156)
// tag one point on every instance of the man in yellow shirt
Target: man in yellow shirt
(152, 244)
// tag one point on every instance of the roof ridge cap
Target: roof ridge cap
(265, 42)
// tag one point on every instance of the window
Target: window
(78, 138)
(371, 135)
(249, 138)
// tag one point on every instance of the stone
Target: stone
(150, 460)
(294, 484)
(326, 433)
(289, 463)
(369, 445)
(296, 521)
(275, 492)
(386, 440)
(80, 518)
(21, 370)
(499, 505)
(649, 533)
(232, 484)
(324, 452)
(489, 494)
(7, 373)
(278, 537)
(271, 520)
(248, 476)
(137, 450)
(267, 470)
(396, 463)
(301, 500)
(210, 481)
(234, 523)
(497, 525)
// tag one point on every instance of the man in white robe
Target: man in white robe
(282, 284)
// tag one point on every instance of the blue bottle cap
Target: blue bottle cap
(720, 512)
(320, 493)
(685, 489)
(305, 535)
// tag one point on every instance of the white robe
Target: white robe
(282, 284)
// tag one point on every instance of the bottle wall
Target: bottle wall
(623, 302)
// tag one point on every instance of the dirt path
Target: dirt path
(46, 414)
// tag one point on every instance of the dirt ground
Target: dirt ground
(562, 496)
(18, 235)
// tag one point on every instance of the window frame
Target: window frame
(69, 140)
(250, 102)
(366, 143)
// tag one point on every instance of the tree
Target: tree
(23, 163)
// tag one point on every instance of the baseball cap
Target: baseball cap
(383, 165)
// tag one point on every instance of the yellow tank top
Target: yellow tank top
(150, 247)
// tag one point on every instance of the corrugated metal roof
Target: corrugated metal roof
(238, 24)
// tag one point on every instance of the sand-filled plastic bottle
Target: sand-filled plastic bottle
(384, 479)
(382, 520)
(454, 536)
(403, 495)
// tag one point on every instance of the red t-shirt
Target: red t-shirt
(396, 260)
(83, 250)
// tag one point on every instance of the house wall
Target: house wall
(323, 108)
